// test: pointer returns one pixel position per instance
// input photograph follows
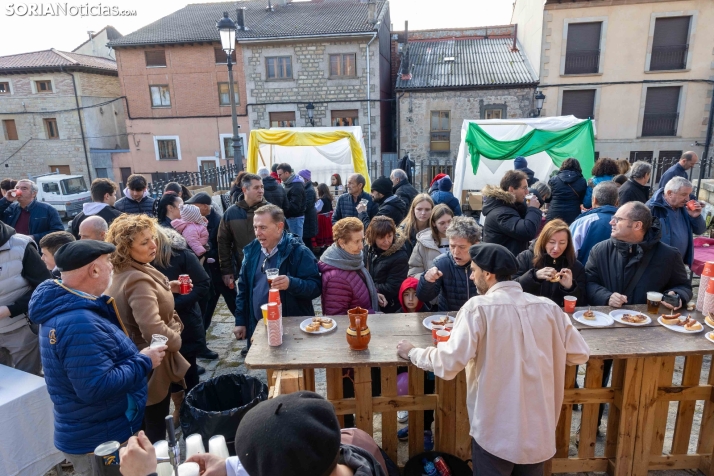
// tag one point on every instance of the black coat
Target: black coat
(295, 193)
(453, 288)
(613, 263)
(406, 192)
(392, 207)
(567, 189)
(526, 276)
(109, 213)
(275, 193)
(309, 228)
(388, 270)
(508, 223)
(326, 205)
(131, 206)
(184, 261)
(632, 191)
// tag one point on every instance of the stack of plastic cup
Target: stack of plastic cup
(217, 446)
(708, 307)
(275, 325)
(707, 274)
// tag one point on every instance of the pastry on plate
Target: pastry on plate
(313, 327)
(441, 321)
(327, 323)
(634, 318)
(709, 320)
(589, 315)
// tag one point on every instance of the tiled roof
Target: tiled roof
(197, 22)
(49, 59)
(476, 62)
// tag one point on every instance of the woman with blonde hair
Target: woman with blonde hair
(144, 300)
(431, 242)
(550, 269)
(416, 220)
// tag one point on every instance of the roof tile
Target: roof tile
(54, 58)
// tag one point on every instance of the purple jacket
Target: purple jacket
(342, 290)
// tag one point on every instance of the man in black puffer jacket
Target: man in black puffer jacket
(390, 205)
(509, 221)
(136, 198)
(274, 192)
(449, 277)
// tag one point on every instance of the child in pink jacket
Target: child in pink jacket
(192, 225)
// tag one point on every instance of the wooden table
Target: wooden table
(639, 394)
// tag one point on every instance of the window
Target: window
(73, 185)
(582, 52)
(51, 128)
(345, 118)
(282, 119)
(60, 169)
(160, 96)
(440, 130)
(44, 86)
(493, 113)
(224, 94)
(4, 87)
(155, 58)
(167, 149)
(50, 187)
(10, 129)
(102, 173)
(580, 103)
(342, 65)
(222, 58)
(645, 155)
(670, 43)
(279, 67)
(228, 147)
(661, 111)
(667, 158)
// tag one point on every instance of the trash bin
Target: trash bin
(216, 406)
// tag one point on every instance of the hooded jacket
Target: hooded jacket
(274, 192)
(409, 283)
(343, 290)
(444, 195)
(388, 269)
(631, 191)
(613, 263)
(95, 376)
(44, 218)
(196, 234)
(661, 209)
(406, 192)
(508, 223)
(521, 164)
(129, 205)
(108, 212)
(526, 276)
(453, 288)
(591, 228)
(234, 233)
(424, 253)
(309, 227)
(588, 199)
(568, 190)
(392, 207)
(295, 193)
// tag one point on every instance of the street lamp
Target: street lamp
(539, 97)
(227, 29)
(310, 113)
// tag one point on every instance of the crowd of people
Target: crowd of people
(102, 291)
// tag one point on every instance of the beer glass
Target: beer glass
(272, 273)
(653, 301)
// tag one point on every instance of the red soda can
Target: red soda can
(185, 281)
(441, 466)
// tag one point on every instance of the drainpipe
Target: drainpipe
(369, 103)
(705, 159)
(81, 126)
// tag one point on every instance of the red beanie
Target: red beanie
(408, 283)
(437, 178)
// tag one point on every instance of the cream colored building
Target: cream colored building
(643, 69)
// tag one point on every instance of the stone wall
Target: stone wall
(415, 115)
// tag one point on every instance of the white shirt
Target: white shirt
(234, 467)
(514, 347)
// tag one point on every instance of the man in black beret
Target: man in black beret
(512, 344)
(95, 376)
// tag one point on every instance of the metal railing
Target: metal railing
(660, 124)
(668, 57)
(220, 178)
(421, 173)
(582, 61)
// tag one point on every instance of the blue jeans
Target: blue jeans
(295, 225)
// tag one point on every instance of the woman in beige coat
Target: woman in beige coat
(145, 302)
(431, 242)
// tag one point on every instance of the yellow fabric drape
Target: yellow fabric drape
(293, 138)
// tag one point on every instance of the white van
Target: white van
(66, 193)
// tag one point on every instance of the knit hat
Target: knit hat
(409, 283)
(496, 259)
(445, 184)
(383, 185)
(437, 178)
(304, 173)
(520, 163)
(192, 214)
(289, 435)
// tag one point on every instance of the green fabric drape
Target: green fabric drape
(577, 141)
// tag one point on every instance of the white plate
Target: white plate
(680, 329)
(710, 337)
(428, 320)
(705, 322)
(322, 330)
(601, 319)
(617, 315)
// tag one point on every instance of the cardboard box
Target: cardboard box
(476, 200)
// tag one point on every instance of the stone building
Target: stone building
(287, 57)
(448, 76)
(96, 44)
(57, 109)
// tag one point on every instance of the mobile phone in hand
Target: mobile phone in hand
(672, 300)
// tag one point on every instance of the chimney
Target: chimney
(372, 12)
(406, 67)
(240, 16)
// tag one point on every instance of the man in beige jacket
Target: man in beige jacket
(515, 347)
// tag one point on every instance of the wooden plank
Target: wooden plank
(628, 405)
(309, 376)
(706, 465)
(333, 380)
(706, 428)
(614, 412)
(664, 462)
(562, 430)
(589, 395)
(589, 414)
(463, 424)
(579, 465)
(288, 381)
(445, 416)
(408, 403)
(364, 418)
(683, 394)
(389, 419)
(662, 407)
(646, 416)
(416, 418)
(685, 410)
(271, 376)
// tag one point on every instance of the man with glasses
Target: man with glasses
(298, 278)
(510, 220)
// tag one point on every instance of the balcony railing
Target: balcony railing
(668, 57)
(582, 61)
(660, 124)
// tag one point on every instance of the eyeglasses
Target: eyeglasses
(619, 219)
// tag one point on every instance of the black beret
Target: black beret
(494, 258)
(383, 186)
(80, 253)
(201, 197)
(290, 435)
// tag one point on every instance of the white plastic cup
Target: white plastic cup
(162, 448)
(217, 446)
(194, 445)
(189, 469)
(157, 340)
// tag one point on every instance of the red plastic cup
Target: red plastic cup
(434, 328)
(569, 303)
(442, 335)
(692, 204)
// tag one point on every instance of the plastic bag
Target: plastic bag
(216, 406)
(457, 466)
